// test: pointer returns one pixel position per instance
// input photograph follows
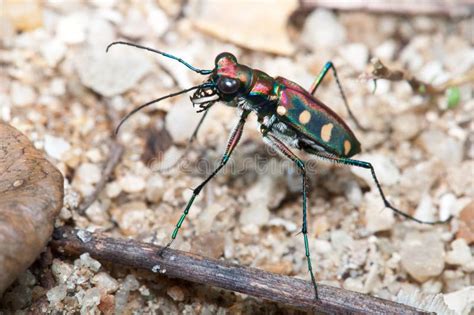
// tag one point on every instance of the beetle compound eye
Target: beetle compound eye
(228, 85)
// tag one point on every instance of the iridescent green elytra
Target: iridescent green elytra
(289, 116)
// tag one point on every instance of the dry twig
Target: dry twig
(116, 151)
(433, 7)
(381, 71)
(177, 264)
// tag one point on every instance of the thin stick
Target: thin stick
(116, 151)
(177, 264)
(381, 71)
(404, 7)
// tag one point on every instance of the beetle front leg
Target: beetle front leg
(279, 146)
(232, 143)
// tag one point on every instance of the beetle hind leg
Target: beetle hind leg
(367, 165)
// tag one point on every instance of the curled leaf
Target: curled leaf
(31, 195)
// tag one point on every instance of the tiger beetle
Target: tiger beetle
(289, 116)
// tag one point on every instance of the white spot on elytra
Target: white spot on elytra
(326, 132)
(281, 110)
(305, 117)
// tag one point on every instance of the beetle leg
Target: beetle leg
(278, 145)
(319, 79)
(231, 144)
(367, 165)
(190, 142)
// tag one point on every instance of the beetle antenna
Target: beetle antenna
(156, 101)
(200, 71)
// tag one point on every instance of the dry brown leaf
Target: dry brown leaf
(31, 195)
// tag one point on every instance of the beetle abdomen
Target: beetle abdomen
(316, 121)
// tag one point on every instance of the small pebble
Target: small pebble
(176, 293)
(422, 255)
(98, 214)
(447, 149)
(354, 285)
(61, 271)
(132, 218)
(53, 52)
(386, 50)
(425, 210)
(84, 235)
(180, 122)
(447, 204)
(113, 189)
(322, 246)
(131, 283)
(132, 183)
(114, 72)
(56, 294)
(322, 28)
(155, 187)
(432, 286)
(460, 253)
(356, 55)
(158, 21)
(90, 301)
(22, 95)
(87, 261)
(387, 172)
(71, 29)
(56, 147)
(377, 217)
(88, 173)
(209, 245)
(461, 301)
(466, 224)
(105, 282)
(135, 25)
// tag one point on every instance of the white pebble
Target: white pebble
(422, 255)
(425, 210)
(132, 183)
(460, 253)
(447, 206)
(113, 189)
(322, 28)
(155, 188)
(158, 21)
(105, 282)
(88, 173)
(85, 260)
(387, 172)
(181, 120)
(53, 51)
(461, 301)
(387, 50)
(71, 29)
(114, 72)
(57, 294)
(356, 55)
(377, 217)
(22, 95)
(56, 147)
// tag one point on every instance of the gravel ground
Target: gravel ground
(66, 94)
